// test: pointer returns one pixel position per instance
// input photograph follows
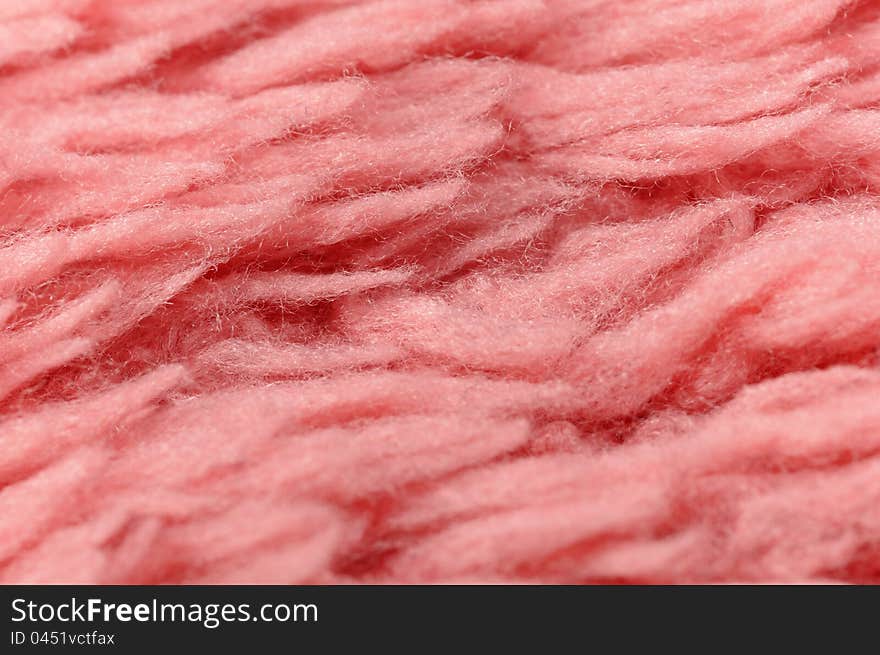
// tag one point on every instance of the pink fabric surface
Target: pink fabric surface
(322, 291)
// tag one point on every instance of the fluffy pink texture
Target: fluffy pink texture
(316, 291)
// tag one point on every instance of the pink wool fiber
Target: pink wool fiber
(325, 291)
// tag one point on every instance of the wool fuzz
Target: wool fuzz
(327, 291)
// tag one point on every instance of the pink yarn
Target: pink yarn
(322, 291)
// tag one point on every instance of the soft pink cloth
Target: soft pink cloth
(439, 291)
